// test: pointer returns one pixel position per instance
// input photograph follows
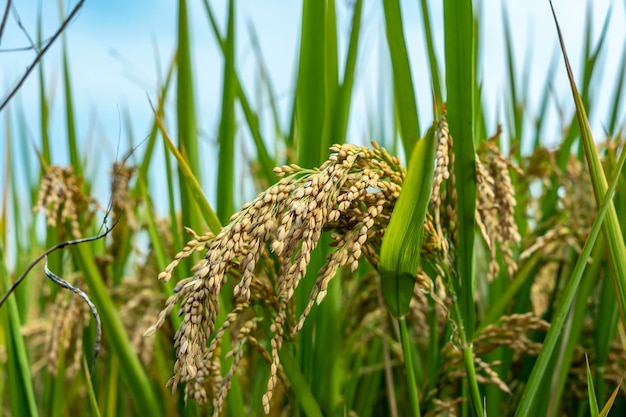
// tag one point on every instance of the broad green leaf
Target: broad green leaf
(402, 242)
(459, 85)
(310, 111)
(310, 94)
(461, 88)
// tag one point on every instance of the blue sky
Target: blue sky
(116, 48)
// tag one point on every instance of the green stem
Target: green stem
(468, 361)
(408, 363)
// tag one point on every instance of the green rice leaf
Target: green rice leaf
(402, 242)
(310, 114)
(344, 95)
(331, 77)
(435, 71)
(91, 395)
(44, 111)
(610, 401)
(21, 393)
(77, 165)
(612, 231)
(593, 402)
(539, 371)
(226, 158)
(142, 174)
(209, 215)
(460, 87)
(404, 91)
(252, 119)
(617, 97)
(186, 117)
(311, 100)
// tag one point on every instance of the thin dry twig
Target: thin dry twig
(94, 312)
(52, 249)
(41, 53)
(5, 17)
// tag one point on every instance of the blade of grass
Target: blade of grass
(77, 165)
(311, 90)
(608, 315)
(7, 179)
(459, 81)
(544, 100)
(22, 394)
(208, 214)
(44, 111)
(617, 98)
(186, 116)
(435, 71)
(226, 173)
(460, 86)
(590, 63)
(142, 175)
(564, 357)
(91, 395)
(331, 78)
(328, 330)
(344, 95)
(558, 319)
(612, 231)
(592, 56)
(593, 402)
(309, 121)
(514, 113)
(404, 91)
(266, 81)
(408, 363)
(226, 137)
(267, 163)
(611, 400)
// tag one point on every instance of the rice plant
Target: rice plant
(444, 271)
